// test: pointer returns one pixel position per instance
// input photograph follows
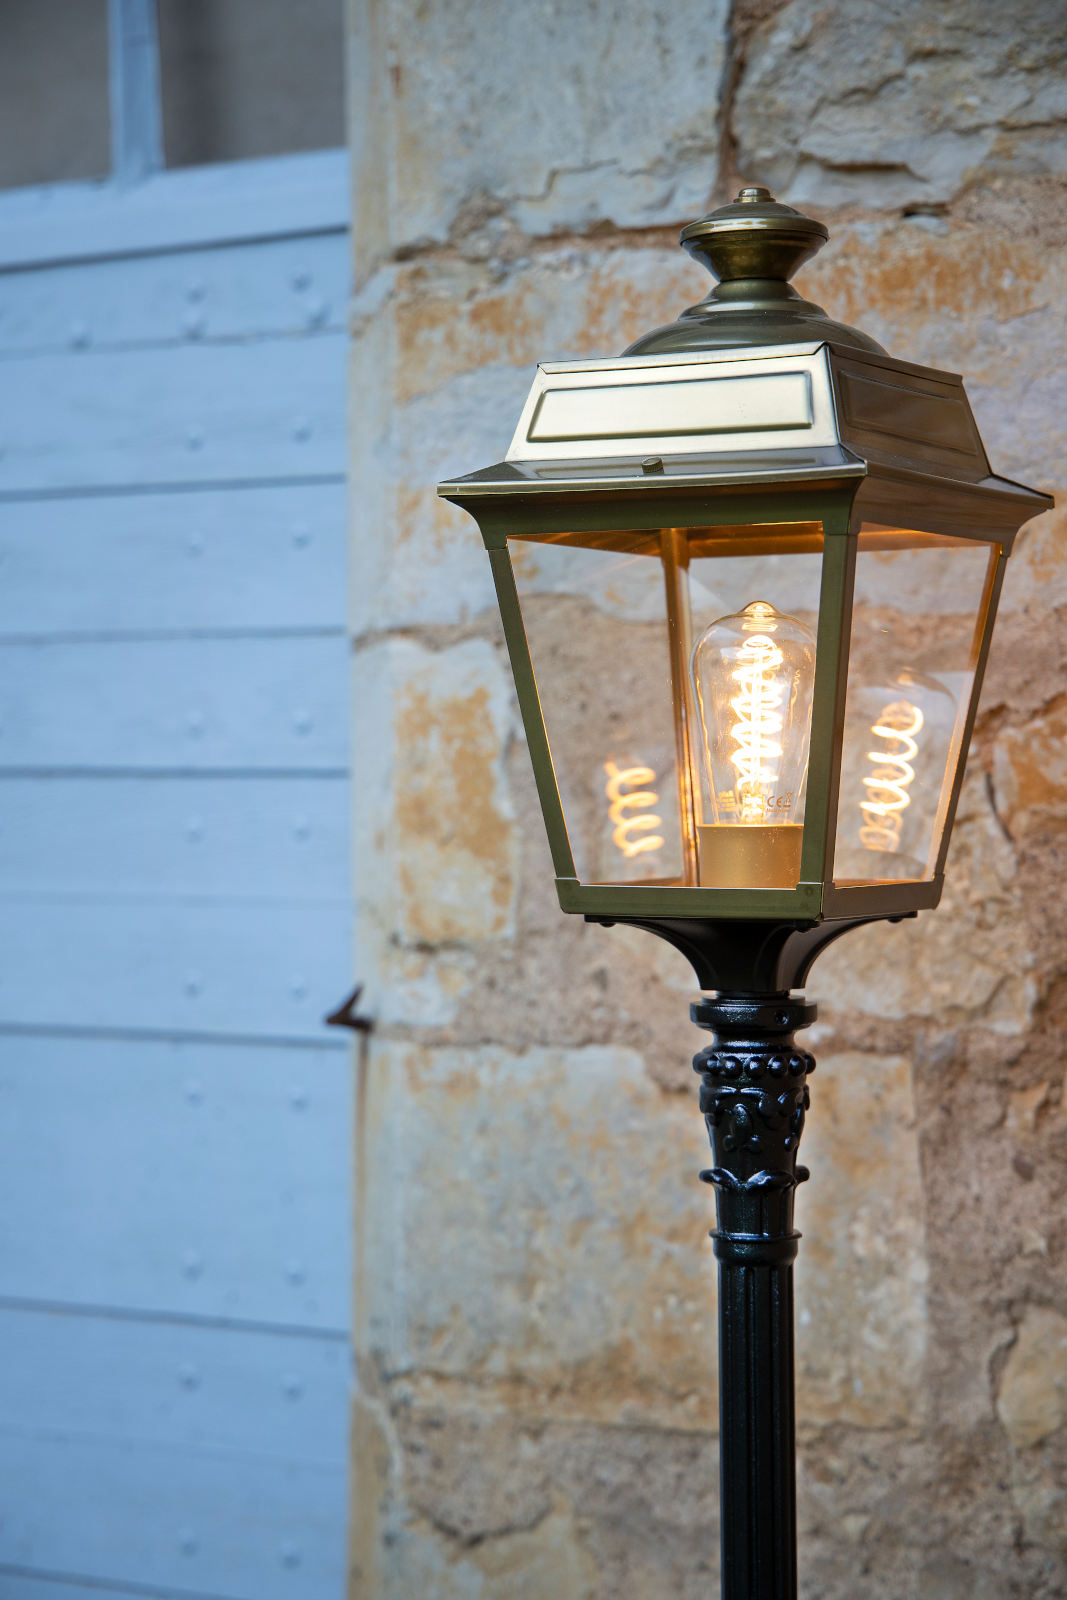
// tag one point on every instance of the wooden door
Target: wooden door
(175, 919)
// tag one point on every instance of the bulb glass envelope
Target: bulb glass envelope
(748, 597)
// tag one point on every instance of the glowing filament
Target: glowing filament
(631, 811)
(759, 724)
(887, 786)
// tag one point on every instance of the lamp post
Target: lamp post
(781, 550)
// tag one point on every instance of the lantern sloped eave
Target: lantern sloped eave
(796, 434)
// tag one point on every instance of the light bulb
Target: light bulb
(630, 809)
(891, 776)
(898, 739)
(753, 674)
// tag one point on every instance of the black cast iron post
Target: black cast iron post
(754, 1096)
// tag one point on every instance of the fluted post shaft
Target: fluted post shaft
(754, 1097)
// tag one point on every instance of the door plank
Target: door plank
(284, 286)
(189, 414)
(161, 836)
(183, 1385)
(177, 704)
(203, 1179)
(239, 1526)
(258, 558)
(254, 968)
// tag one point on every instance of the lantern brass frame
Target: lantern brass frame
(888, 436)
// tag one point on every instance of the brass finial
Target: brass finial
(753, 246)
(754, 237)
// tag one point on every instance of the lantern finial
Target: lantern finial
(754, 237)
(752, 246)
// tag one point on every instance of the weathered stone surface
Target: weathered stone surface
(540, 1563)
(901, 105)
(548, 1252)
(1030, 772)
(968, 961)
(436, 847)
(543, 112)
(1032, 1406)
(1032, 1402)
(864, 1251)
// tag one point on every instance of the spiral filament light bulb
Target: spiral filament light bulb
(753, 676)
(759, 722)
(887, 785)
(630, 808)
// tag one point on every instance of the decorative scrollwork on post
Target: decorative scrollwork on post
(754, 1097)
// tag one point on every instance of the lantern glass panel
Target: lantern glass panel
(675, 672)
(921, 604)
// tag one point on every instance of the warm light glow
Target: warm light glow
(753, 678)
(758, 726)
(630, 809)
(887, 786)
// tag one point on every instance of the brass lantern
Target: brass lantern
(748, 573)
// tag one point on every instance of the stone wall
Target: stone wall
(535, 1297)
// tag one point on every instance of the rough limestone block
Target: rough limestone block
(1032, 1400)
(460, 319)
(544, 112)
(1030, 772)
(435, 840)
(1032, 1406)
(968, 961)
(533, 1232)
(861, 1271)
(1036, 577)
(546, 1562)
(900, 105)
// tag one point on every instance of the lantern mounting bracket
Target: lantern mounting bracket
(745, 956)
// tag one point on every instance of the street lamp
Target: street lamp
(748, 574)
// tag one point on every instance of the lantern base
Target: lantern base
(749, 855)
(748, 956)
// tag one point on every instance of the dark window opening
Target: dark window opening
(54, 123)
(247, 78)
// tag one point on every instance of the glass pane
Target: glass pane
(596, 625)
(246, 78)
(918, 618)
(53, 92)
(675, 671)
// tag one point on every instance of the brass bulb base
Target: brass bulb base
(749, 855)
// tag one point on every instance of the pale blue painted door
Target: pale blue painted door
(175, 921)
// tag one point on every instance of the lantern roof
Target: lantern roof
(804, 414)
(755, 387)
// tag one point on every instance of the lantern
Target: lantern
(748, 574)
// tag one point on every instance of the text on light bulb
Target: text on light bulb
(759, 723)
(887, 785)
(630, 809)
